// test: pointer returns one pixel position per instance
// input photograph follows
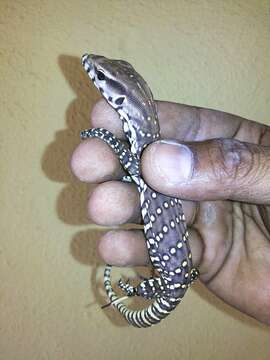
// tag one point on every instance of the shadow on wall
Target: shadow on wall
(71, 202)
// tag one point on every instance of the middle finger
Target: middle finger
(117, 203)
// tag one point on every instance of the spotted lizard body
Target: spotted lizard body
(164, 222)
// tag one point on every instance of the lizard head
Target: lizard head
(128, 93)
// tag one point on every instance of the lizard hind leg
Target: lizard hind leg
(127, 288)
(149, 288)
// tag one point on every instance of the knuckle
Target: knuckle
(232, 161)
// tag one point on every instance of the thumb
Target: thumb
(209, 170)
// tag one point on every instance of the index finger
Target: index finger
(184, 122)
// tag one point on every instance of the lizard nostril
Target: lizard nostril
(120, 100)
(84, 58)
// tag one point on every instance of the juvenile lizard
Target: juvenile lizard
(164, 221)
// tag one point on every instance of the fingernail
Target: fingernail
(173, 161)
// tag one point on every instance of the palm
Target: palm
(235, 253)
(235, 263)
(229, 239)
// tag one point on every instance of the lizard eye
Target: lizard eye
(100, 75)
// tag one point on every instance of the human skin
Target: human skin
(220, 165)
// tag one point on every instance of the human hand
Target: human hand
(226, 184)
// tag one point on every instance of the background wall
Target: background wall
(207, 53)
